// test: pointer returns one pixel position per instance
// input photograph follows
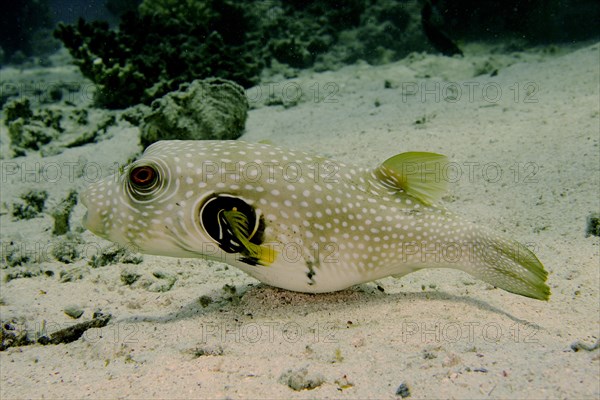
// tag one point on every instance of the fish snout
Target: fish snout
(92, 220)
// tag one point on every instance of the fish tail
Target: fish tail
(507, 264)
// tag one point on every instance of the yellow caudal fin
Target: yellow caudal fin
(419, 174)
(506, 264)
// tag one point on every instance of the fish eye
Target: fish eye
(147, 181)
(143, 177)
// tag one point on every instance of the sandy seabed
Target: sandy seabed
(524, 142)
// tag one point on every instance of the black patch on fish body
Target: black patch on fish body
(214, 220)
(311, 272)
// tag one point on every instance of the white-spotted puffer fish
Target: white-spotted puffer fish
(299, 221)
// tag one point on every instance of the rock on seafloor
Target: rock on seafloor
(212, 108)
(593, 225)
(301, 379)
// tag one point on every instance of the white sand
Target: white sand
(441, 332)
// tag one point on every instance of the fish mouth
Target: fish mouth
(83, 198)
(84, 221)
(84, 201)
(91, 220)
(88, 223)
(93, 223)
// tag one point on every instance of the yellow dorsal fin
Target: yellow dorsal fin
(419, 174)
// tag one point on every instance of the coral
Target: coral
(66, 252)
(113, 255)
(62, 212)
(17, 109)
(52, 129)
(14, 254)
(10, 337)
(204, 109)
(156, 50)
(25, 135)
(32, 205)
(29, 130)
(327, 35)
(169, 42)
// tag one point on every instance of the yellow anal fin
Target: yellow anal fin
(419, 174)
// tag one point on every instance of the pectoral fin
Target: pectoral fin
(238, 224)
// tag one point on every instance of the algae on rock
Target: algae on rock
(206, 109)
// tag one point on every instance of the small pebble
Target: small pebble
(403, 390)
(301, 379)
(205, 301)
(579, 345)
(343, 383)
(593, 225)
(73, 311)
(208, 351)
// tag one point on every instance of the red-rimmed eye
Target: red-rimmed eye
(143, 177)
